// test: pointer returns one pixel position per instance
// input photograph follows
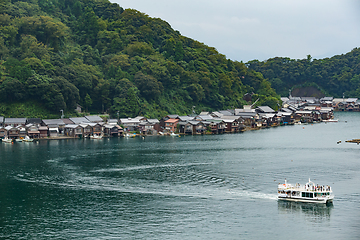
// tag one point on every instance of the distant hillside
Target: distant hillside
(94, 53)
(334, 76)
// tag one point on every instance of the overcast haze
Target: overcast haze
(262, 29)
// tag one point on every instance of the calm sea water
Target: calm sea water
(192, 187)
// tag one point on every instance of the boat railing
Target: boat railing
(320, 189)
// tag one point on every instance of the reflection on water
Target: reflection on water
(312, 212)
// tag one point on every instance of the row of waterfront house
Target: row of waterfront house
(218, 122)
(338, 104)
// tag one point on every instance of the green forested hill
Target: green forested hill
(334, 76)
(57, 53)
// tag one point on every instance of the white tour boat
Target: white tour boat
(309, 192)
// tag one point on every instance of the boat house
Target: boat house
(12, 132)
(171, 124)
(73, 130)
(3, 132)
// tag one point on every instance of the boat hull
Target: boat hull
(330, 120)
(306, 200)
(95, 137)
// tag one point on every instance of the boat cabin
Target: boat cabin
(305, 193)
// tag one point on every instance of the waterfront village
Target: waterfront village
(294, 110)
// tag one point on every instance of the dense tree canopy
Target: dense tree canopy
(334, 76)
(94, 53)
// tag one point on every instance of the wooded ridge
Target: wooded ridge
(94, 53)
(60, 53)
(335, 76)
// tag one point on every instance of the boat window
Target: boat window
(302, 194)
(311, 195)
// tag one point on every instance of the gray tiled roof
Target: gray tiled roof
(57, 122)
(15, 121)
(185, 118)
(284, 99)
(153, 121)
(230, 117)
(265, 109)
(79, 120)
(226, 113)
(216, 114)
(237, 111)
(33, 120)
(246, 114)
(112, 120)
(195, 122)
(204, 117)
(129, 121)
(172, 116)
(66, 121)
(326, 99)
(94, 118)
(71, 125)
(351, 100)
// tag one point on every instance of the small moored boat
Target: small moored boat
(309, 192)
(330, 120)
(27, 139)
(7, 140)
(95, 136)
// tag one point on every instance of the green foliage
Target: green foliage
(12, 90)
(28, 109)
(333, 76)
(139, 48)
(127, 101)
(19, 70)
(68, 90)
(196, 92)
(45, 29)
(92, 52)
(87, 101)
(88, 27)
(41, 88)
(149, 87)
